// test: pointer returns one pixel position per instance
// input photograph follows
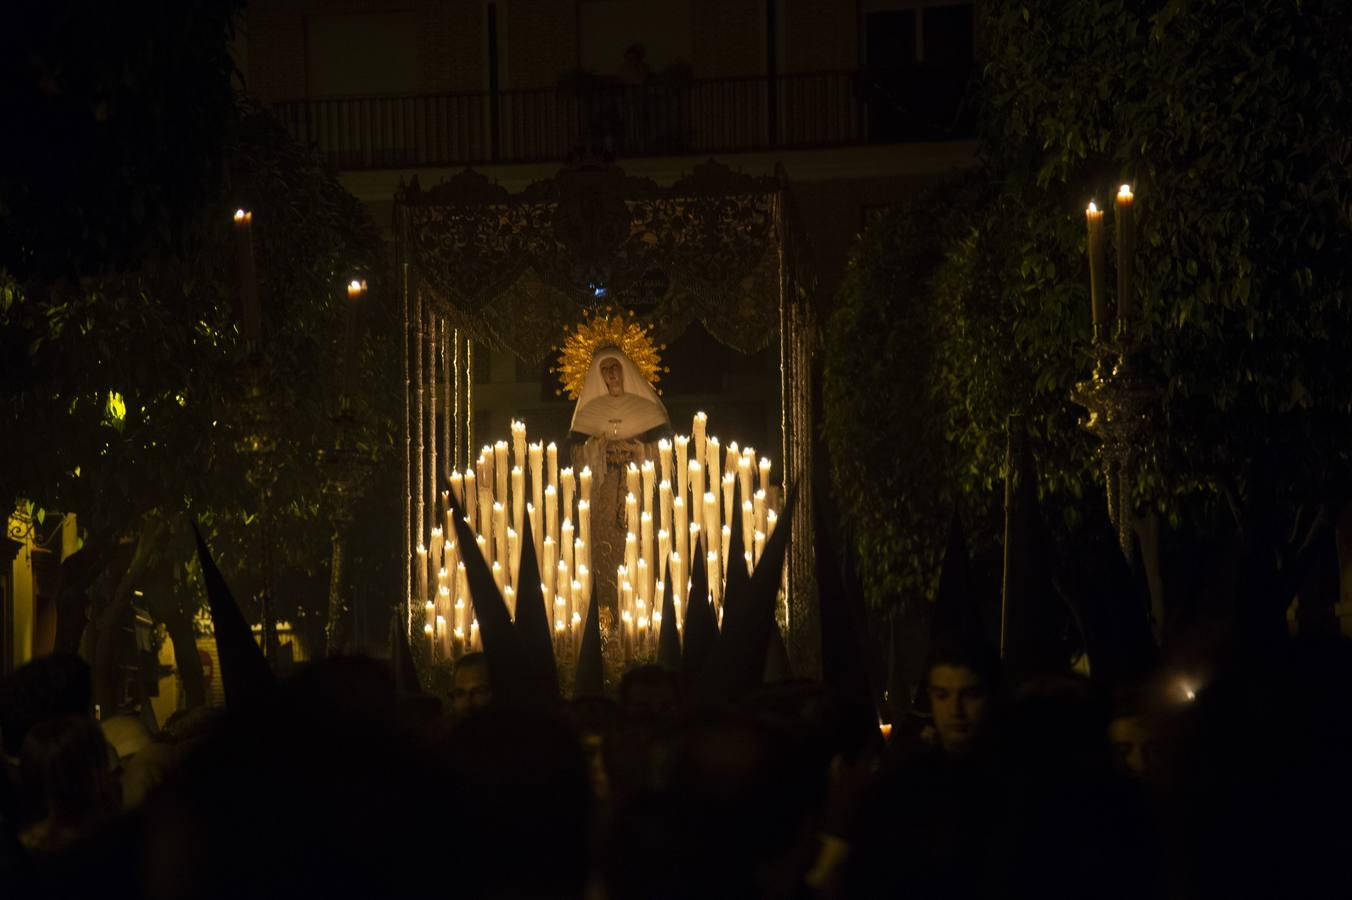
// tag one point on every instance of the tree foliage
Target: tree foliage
(129, 390)
(116, 118)
(1229, 119)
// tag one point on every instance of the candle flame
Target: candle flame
(243, 215)
(1093, 207)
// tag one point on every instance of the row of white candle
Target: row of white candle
(662, 533)
(660, 547)
(488, 493)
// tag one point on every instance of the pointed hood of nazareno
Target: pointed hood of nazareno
(701, 628)
(669, 638)
(1035, 618)
(845, 672)
(245, 674)
(516, 681)
(590, 679)
(532, 621)
(738, 580)
(955, 618)
(738, 660)
(1113, 602)
(401, 657)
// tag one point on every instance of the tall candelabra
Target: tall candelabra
(1121, 394)
(257, 441)
(345, 467)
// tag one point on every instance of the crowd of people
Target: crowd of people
(341, 784)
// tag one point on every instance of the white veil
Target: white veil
(627, 416)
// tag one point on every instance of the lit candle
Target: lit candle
(434, 550)
(745, 476)
(470, 489)
(771, 519)
(551, 564)
(714, 461)
(499, 577)
(758, 507)
(732, 459)
(714, 572)
(631, 551)
(729, 495)
(664, 506)
(697, 432)
(430, 635)
(1126, 248)
(443, 637)
(630, 511)
(501, 471)
(663, 554)
(584, 484)
(474, 635)
(250, 317)
(633, 482)
(645, 536)
(566, 542)
(551, 512)
(1098, 298)
(500, 530)
(649, 472)
(513, 556)
(421, 565)
(726, 547)
(518, 497)
(696, 486)
(644, 573)
(680, 526)
(451, 553)
(664, 457)
(458, 488)
(533, 513)
(584, 584)
(758, 546)
(484, 550)
(485, 471)
(461, 581)
(519, 460)
(562, 585)
(537, 488)
(567, 485)
(460, 616)
(748, 525)
(764, 474)
(584, 521)
(711, 523)
(430, 613)
(678, 580)
(509, 598)
(682, 448)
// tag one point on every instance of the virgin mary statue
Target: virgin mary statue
(619, 419)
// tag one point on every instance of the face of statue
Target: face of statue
(613, 375)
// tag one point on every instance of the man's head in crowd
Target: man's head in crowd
(649, 693)
(470, 687)
(961, 682)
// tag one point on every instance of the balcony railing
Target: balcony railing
(823, 109)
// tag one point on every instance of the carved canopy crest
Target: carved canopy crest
(514, 270)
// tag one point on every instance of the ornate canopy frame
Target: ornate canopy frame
(480, 265)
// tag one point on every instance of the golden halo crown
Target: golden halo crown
(607, 330)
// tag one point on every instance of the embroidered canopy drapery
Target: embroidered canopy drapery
(479, 265)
